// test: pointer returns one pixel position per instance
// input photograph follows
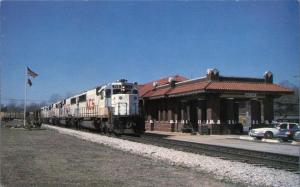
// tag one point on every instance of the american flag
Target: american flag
(31, 73)
(29, 82)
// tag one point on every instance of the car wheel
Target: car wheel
(268, 135)
(285, 139)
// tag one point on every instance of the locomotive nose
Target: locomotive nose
(125, 104)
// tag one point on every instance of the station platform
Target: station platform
(234, 141)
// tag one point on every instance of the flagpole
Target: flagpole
(25, 99)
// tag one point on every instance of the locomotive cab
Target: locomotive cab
(124, 99)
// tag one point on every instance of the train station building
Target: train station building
(212, 101)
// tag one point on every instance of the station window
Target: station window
(82, 98)
(73, 101)
(283, 126)
(134, 91)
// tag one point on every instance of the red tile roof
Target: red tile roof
(143, 89)
(247, 86)
(196, 86)
(185, 88)
(202, 85)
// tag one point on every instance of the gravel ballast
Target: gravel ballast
(222, 169)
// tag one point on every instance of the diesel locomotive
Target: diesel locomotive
(110, 108)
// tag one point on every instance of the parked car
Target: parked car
(291, 128)
(297, 136)
(283, 130)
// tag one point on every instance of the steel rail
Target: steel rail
(272, 160)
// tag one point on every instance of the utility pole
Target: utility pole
(25, 95)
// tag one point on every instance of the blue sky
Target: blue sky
(78, 45)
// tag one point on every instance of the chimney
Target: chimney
(154, 85)
(172, 81)
(268, 77)
(212, 74)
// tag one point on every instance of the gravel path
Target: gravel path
(47, 158)
(222, 169)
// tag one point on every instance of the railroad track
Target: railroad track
(258, 158)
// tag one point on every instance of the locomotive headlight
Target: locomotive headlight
(120, 97)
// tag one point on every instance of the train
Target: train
(109, 108)
(8, 116)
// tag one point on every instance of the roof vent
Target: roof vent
(154, 84)
(212, 71)
(172, 81)
(209, 71)
(268, 75)
(212, 74)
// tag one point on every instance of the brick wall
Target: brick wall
(163, 126)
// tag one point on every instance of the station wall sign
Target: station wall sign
(250, 95)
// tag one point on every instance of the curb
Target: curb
(271, 140)
(246, 138)
(295, 143)
(262, 140)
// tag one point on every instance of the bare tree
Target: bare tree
(3, 108)
(287, 104)
(12, 106)
(32, 107)
(54, 98)
(35, 106)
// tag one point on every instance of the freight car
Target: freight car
(7, 116)
(110, 108)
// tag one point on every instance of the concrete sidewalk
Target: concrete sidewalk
(235, 141)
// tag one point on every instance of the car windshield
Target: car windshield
(270, 126)
(283, 126)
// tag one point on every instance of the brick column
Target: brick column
(201, 110)
(164, 110)
(236, 112)
(170, 114)
(188, 117)
(255, 111)
(268, 109)
(159, 111)
(229, 110)
(176, 110)
(148, 110)
(182, 110)
(170, 110)
(213, 108)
